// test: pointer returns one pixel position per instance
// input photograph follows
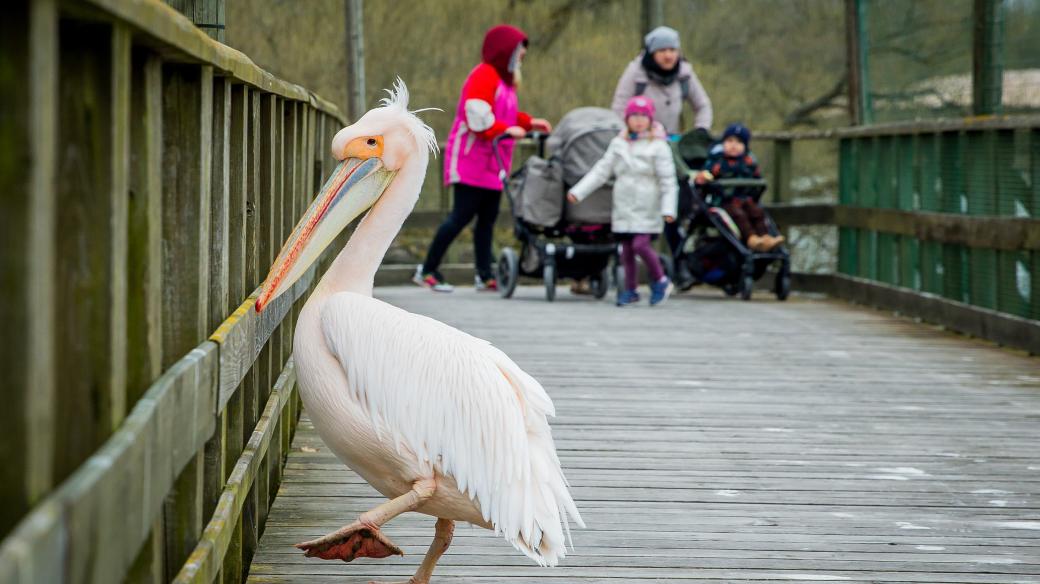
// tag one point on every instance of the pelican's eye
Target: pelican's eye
(364, 148)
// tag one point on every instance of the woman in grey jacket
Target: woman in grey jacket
(660, 73)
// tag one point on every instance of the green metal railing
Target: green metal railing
(962, 200)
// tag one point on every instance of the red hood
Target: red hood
(499, 44)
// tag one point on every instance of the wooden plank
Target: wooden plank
(208, 557)
(187, 136)
(244, 333)
(91, 528)
(181, 39)
(28, 91)
(813, 464)
(91, 378)
(240, 140)
(990, 232)
(215, 455)
(144, 266)
(1005, 329)
(251, 386)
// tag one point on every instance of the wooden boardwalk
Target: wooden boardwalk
(711, 440)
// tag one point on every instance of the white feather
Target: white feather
(464, 409)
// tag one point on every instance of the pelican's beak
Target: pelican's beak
(353, 188)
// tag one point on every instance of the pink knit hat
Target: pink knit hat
(639, 105)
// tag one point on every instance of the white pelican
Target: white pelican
(436, 420)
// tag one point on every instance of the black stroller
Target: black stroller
(711, 248)
(559, 240)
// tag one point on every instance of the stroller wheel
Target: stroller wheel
(508, 272)
(600, 284)
(747, 283)
(549, 276)
(782, 285)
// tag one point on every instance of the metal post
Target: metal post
(987, 57)
(356, 58)
(653, 15)
(861, 110)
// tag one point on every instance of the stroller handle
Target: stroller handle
(539, 137)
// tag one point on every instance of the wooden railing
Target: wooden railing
(940, 220)
(149, 175)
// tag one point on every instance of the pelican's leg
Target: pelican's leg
(439, 545)
(363, 539)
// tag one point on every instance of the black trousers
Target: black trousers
(468, 202)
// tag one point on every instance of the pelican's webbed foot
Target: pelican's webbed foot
(356, 540)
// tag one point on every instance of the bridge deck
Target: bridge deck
(715, 440)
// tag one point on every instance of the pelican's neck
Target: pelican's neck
(354, 269)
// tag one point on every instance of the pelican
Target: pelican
(436, 420)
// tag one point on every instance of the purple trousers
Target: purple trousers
(639, 244)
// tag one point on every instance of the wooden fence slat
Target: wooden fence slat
(90, 376)
(219, 254)
(187, 136)
(164, 24)
(29, 43)
(208, 556)
(106, 509)
(251, 387)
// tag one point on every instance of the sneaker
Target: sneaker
(481, 285)
(432, 281)
(660, 290)
(626, 297)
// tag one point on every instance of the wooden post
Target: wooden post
(206, 14)
(781, 177)
(860, 106)
(987, 73)
(29, 91)
(356, 58)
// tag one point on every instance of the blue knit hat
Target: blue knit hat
(738, 131)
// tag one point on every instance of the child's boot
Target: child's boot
(626, 297)
(660, 290)
(756, 242)
(772, 242)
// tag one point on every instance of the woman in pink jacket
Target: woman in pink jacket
(487, 108)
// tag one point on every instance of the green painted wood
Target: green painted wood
(927, 157)
(780, 183)
(28, 100)
(886, 178)
(951, 166)
(187, 137)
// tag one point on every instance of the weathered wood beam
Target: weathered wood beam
(168, 29)
(28, 98)
(208, 556)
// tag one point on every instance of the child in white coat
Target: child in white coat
(645, 190)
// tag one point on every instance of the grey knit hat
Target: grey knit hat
(661, 37)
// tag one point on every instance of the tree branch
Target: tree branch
(804, 111)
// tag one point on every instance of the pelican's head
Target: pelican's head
(371, 151)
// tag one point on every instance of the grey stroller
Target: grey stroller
(557, 239)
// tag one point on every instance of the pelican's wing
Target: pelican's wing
(461, 404)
